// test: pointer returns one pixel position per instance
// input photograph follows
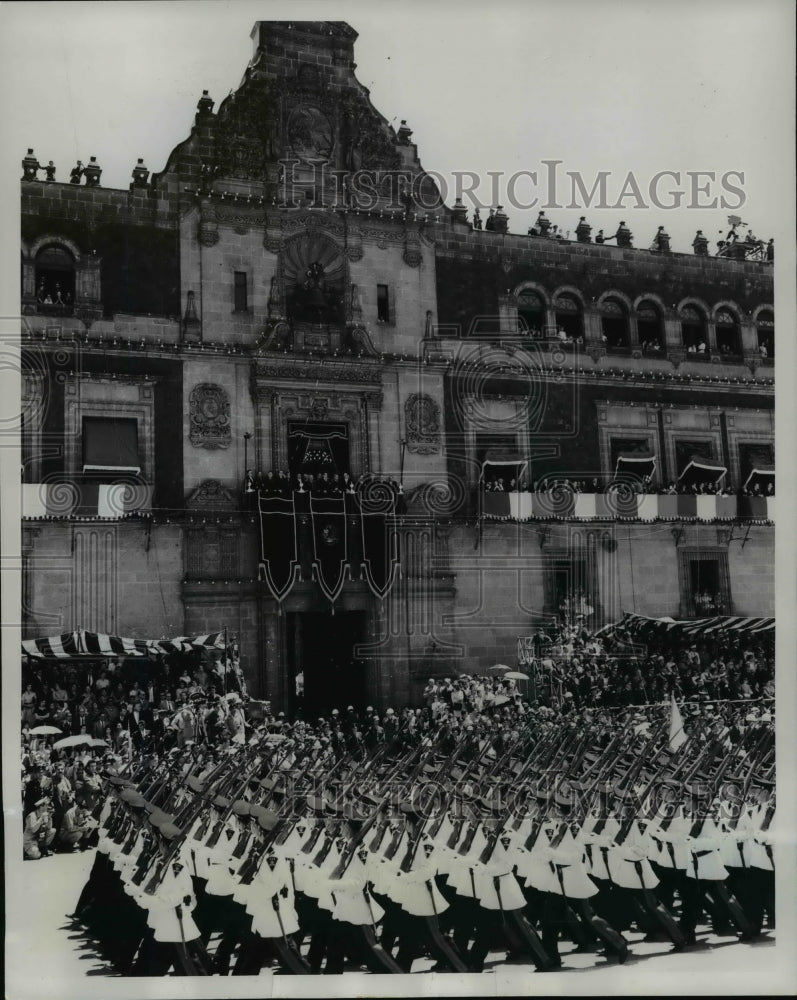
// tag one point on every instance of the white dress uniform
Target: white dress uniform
(755, 848)
(316, 881)
(267, 885)
(628, 863)
(219, 862)
(705, 854)
(535, 866)
(496, 885)
(672, 850)
(388, 870)
(462, 871)
(597, 844)
(568, 867)
(162, 904)
(416, 891)
(194, 854)
(126, 866)
(445, 857)
(353, 903)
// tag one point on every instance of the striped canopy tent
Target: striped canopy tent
(635, 464)
(701, 470)
(80, 645)
(507, 464)
(761, 477)
(717, 625)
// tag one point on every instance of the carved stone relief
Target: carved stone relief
(422, 423)
(210, 416)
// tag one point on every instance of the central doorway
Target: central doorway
(320, 652)
(315, 447)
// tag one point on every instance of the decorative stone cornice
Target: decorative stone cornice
(296, 369)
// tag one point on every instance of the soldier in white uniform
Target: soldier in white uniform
(173, 939)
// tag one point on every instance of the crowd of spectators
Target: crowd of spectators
(580, 669)
(281, 483)
(181, 708)
(75, 714)
(494, 482)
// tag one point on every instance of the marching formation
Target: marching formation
(288, 853)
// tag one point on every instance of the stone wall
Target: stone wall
(123, 578)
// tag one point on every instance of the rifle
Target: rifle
(348, 855)
(213, 839)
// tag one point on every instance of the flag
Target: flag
(677, 734)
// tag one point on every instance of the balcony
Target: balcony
(563, 504)
(86, 497)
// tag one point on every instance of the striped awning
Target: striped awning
(80, 644)
(695, 626)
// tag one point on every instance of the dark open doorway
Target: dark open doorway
(321, 652)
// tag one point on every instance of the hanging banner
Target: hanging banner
(377, 509)
(279, 557)
(330, 544)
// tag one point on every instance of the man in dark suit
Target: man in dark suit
(140, 724)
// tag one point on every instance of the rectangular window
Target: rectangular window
(754, 456)
(626, 446)
(110, 444)
(569, 584)
(383, 303)
(705, 584)
(240, 291)
(686, 450)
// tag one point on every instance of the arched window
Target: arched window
(650, 328)
(55, 280)
(569, 317)
(693, 330)
(614, 325)
(530, 313)
(765, 327)
(729, 342)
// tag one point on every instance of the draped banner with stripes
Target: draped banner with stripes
(717, 625)
(80, 644)
(377, 508)
(330, 544)
(279, 556)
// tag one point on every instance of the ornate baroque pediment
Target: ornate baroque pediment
(307, 117)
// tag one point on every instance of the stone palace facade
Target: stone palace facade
(292, 278)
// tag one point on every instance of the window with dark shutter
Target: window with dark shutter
(240, 291)
(110, 444)
(382, 303)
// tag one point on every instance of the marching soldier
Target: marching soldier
(287, 844)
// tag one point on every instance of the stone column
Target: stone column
(373, 404)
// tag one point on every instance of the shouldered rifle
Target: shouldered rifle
(355, 842)
(213, 839)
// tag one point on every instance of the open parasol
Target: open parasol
(80, 740)
(46, 731)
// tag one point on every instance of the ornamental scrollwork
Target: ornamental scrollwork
(422, 423)
(210, 416)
